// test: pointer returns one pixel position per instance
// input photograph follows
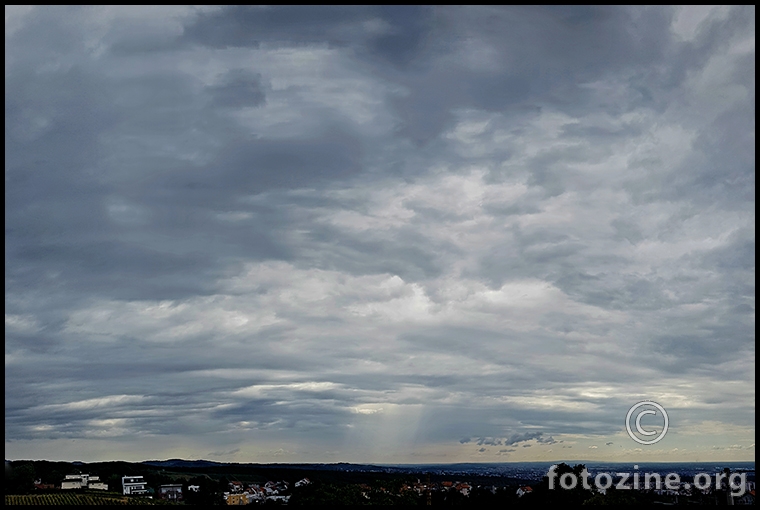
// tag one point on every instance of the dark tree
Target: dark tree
(552, 493)
(19, 479)
(321, 494)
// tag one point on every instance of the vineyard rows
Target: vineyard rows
(73, 499)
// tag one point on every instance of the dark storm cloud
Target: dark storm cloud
(518, 74)
(392, 33)
(262, 231)
(581, 47)
(240, 26)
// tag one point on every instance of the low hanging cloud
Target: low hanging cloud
(527, 436)
(511, 440)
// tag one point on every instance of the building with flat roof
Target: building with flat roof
(134, 485)
(83, 481)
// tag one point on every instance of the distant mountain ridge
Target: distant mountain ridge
(200, 463)
(181, 463)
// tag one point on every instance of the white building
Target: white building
(84, 481)
(134, 485)
(94, 483)
(71, 483)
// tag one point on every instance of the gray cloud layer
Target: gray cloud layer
(353, 231)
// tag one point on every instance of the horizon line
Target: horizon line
(556, 461)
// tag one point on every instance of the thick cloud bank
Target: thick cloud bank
(378, 234)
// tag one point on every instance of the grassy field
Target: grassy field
(75, 498)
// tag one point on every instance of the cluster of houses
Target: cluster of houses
(131, 486)
(745, 496)
(136, 485)
(421, 488)
(242, 494)
(686, 490)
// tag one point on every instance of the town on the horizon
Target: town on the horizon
(459, 485)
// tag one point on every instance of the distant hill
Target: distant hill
(180, 463)
(339, 466)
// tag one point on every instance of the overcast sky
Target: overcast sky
(378, 234)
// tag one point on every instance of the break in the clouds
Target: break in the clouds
(378, 234)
